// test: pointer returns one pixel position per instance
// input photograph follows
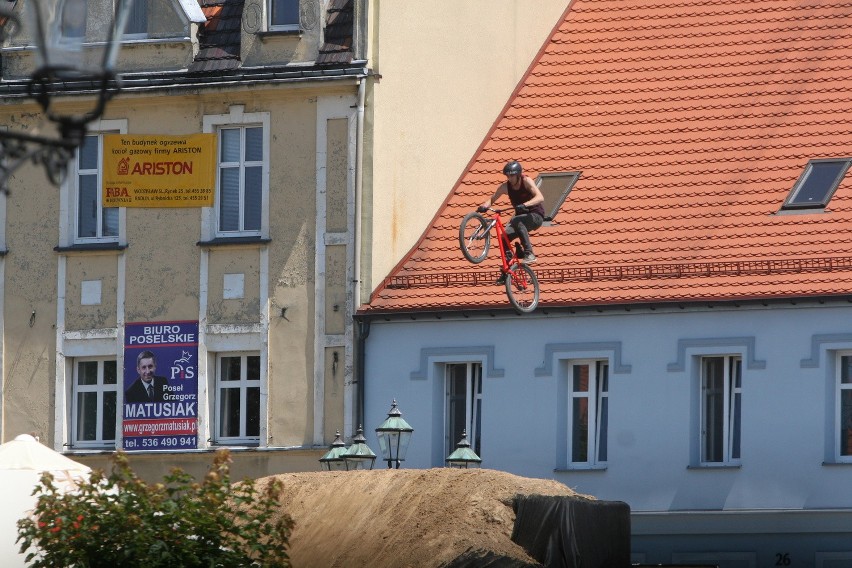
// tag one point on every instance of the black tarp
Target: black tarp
(571, 532)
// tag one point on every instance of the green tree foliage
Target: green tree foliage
(119, 520)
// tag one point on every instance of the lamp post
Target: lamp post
(394, 436)
(464, 457)
(359, 455)
(67, 45)
(333, 458)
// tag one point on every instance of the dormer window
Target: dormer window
(283, 15)
(817, 184)
(555, 188)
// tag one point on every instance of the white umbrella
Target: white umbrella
(22, 462)
(25, 452)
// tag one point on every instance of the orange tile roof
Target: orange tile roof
(690, 121)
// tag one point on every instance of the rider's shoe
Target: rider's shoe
(501, 280)
(529, 258)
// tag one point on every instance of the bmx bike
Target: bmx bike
(475, 240)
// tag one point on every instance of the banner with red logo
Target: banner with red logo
(159, 171)
(161, 386)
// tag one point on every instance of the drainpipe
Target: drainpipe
(359, 184)
(363, 327)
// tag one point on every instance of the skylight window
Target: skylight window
(817, 184)
(555, 188)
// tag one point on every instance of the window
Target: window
(464, 405)
(555, 189)
(93, 404)
(137, 21)
(242, 185)
(817, 184)
(241, 181)
(284, 14)
(238, 399)
(93, 222)
(721, 393)
(844, 409)
(589, 412)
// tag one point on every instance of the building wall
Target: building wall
(164, 275)
(443, 75)
(788, 404)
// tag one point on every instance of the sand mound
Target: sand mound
(404, 518)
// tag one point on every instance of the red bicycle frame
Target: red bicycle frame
(503, 239)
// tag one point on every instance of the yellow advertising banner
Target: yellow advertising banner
(159, 170)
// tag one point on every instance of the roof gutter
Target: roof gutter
(148, 82)
(563, 310)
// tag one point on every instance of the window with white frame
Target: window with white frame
(93, 223)
(721, 404)
(94, 403)
(589, 412)
(283, 15)
(241, 181)
(237, 413)
(844, 408)
(463, 405)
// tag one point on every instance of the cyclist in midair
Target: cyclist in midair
(527, 200)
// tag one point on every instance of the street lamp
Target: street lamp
(464, 457)
(394, 435)
(68, 41)
(359, 455)
(333, 458)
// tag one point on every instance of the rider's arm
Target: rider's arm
(537, 196)
(500, 191)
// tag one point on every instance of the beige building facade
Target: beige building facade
(347, 138)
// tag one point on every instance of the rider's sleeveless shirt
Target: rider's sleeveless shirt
(522, 195)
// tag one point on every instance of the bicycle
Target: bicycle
(521, 283)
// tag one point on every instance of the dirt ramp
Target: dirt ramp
(405, 518)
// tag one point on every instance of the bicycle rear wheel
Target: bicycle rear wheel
(522, 288)
(474, 237)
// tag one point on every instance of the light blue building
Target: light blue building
(691, 353)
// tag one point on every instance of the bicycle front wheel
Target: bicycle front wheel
(522, 288)
(474, 237)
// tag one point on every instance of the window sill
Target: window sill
(91, 247)
(711, 466)
(297, 33)
(232, 241)
(236, 445)
(803, 210)
(211, 448)
(833, 463)
(577, 468)
(88, 451)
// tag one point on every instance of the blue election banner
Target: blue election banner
(161, 386)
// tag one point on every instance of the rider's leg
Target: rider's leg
(522, 225)
(520, 228)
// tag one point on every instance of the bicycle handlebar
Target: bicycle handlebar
(512, 209)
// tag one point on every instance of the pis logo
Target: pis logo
(181, 369)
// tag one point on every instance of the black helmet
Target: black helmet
(512, 168)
